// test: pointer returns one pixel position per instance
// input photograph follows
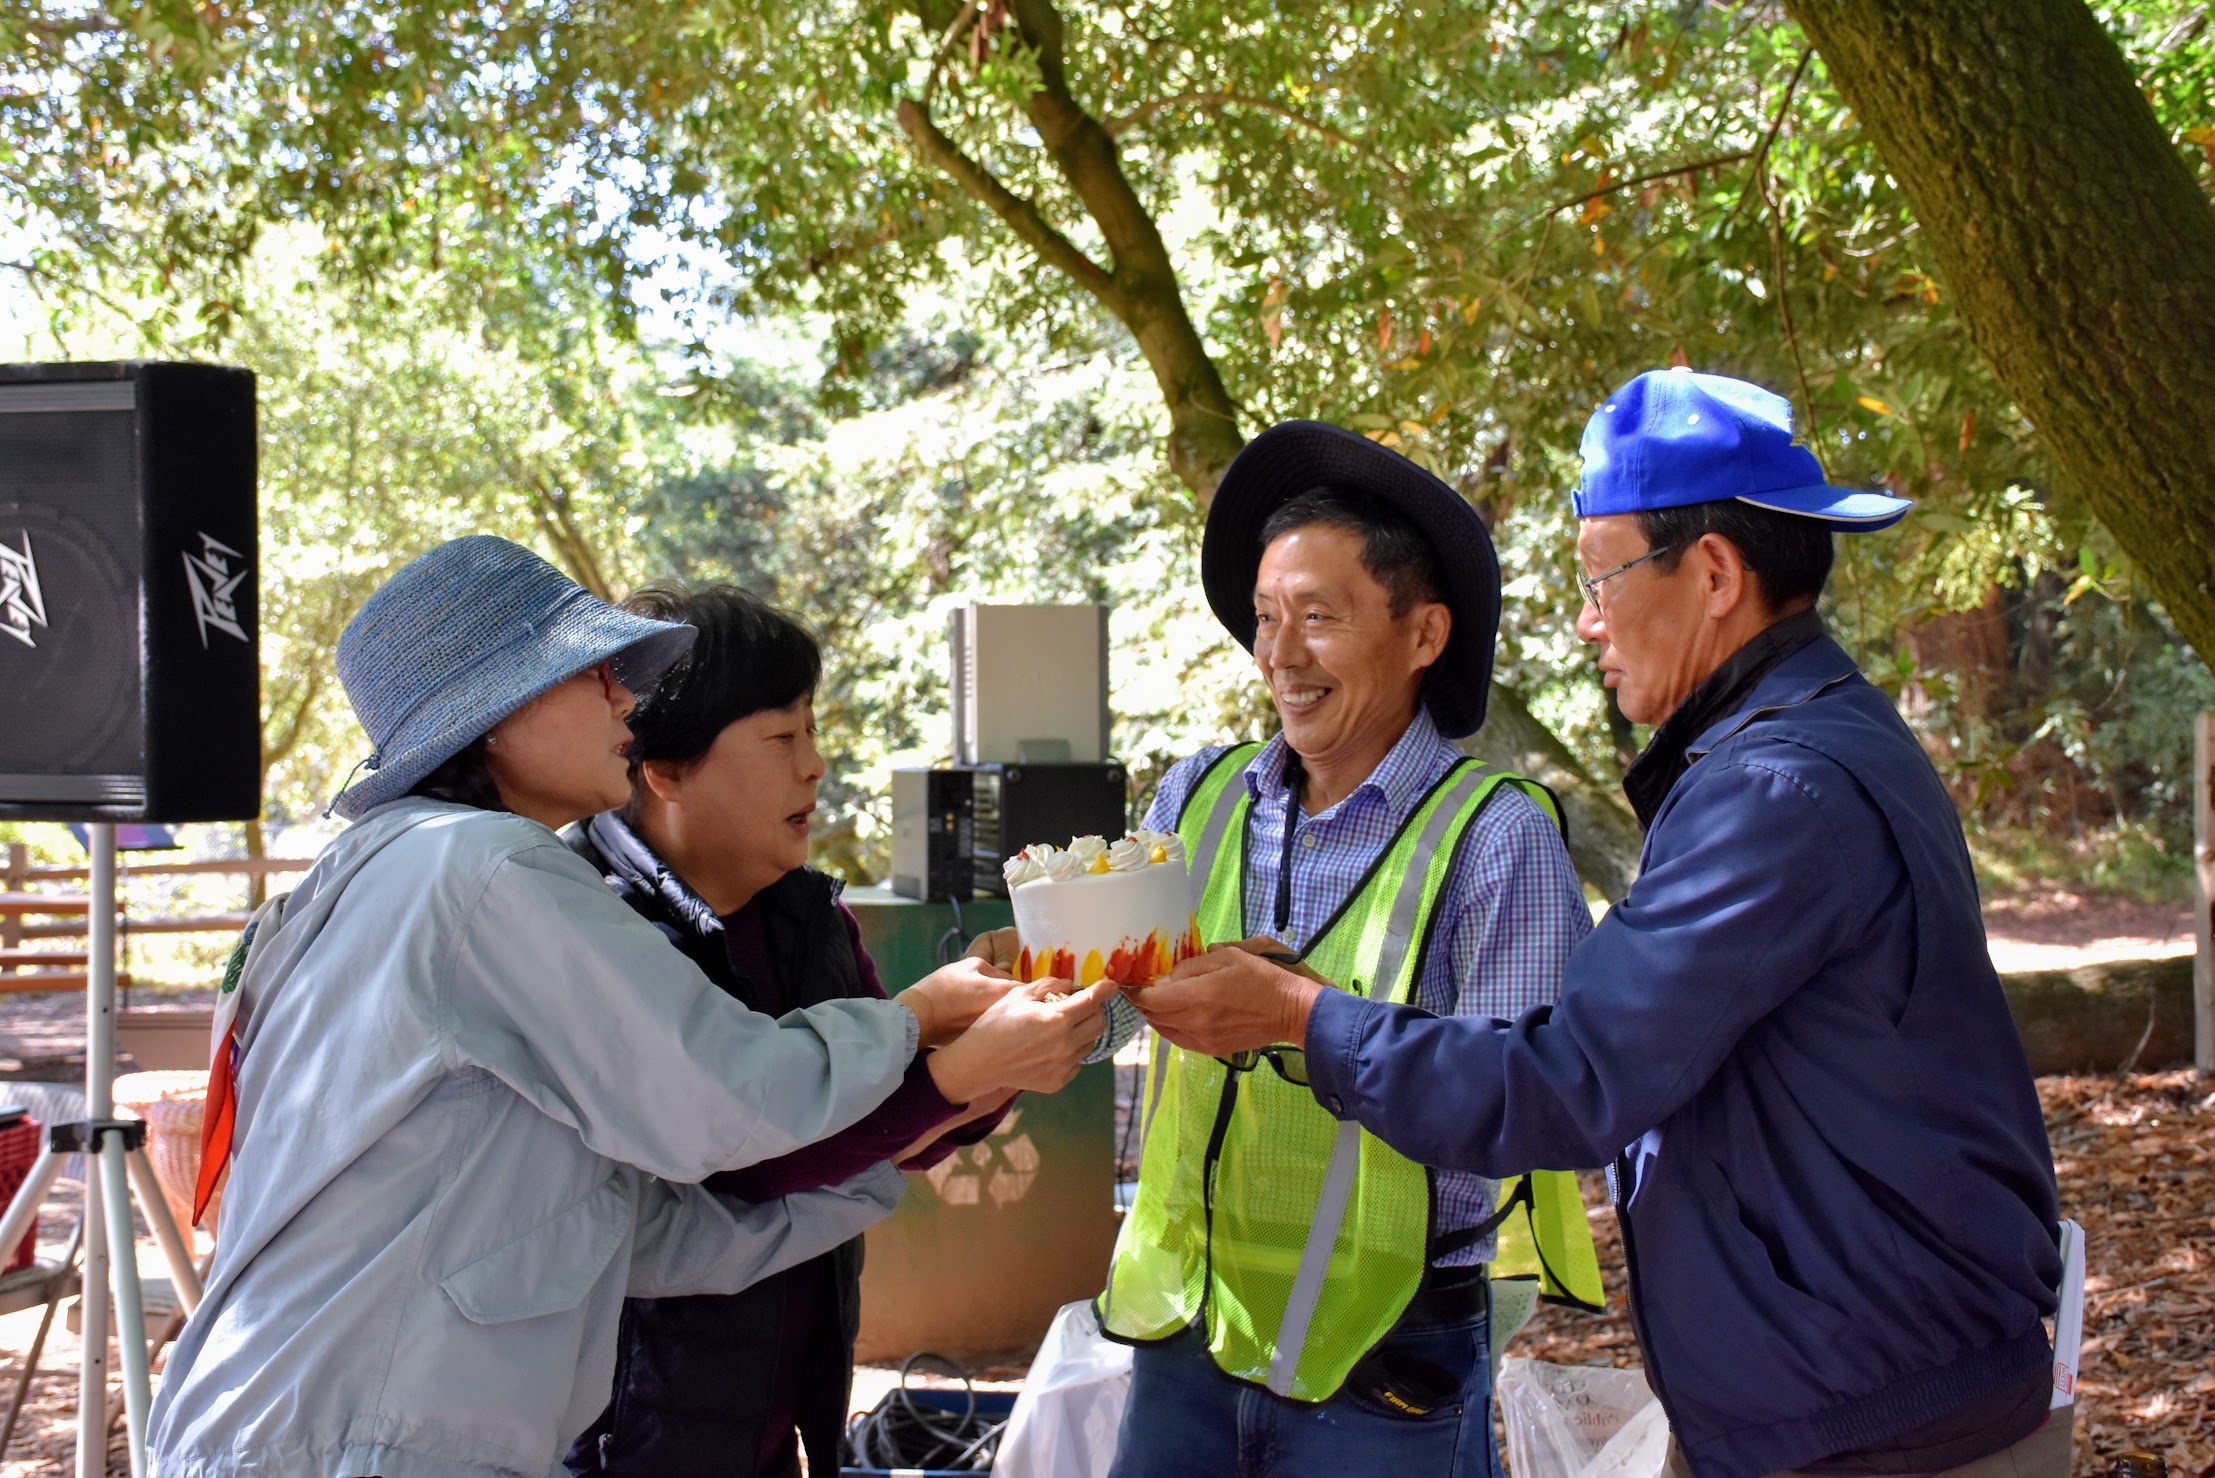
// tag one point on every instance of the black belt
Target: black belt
(1450, 1296)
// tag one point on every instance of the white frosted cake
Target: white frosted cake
(1097, 909)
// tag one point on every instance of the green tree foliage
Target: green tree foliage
(973, 474)
(1453, 225)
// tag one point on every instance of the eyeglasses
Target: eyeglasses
(1290, 1062)
(1592, 583)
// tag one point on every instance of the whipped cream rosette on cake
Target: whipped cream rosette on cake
(1097, 909)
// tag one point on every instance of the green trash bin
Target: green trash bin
(990, 1242)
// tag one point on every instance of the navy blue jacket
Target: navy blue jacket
(1837, 1199)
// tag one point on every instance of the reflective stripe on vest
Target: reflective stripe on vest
(1301, 1239)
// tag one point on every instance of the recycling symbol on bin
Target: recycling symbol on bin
(999, 1169)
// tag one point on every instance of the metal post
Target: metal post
(100, 977)
(2203, 856)
(92, 1375)
(130, 1307)
(92, 1363)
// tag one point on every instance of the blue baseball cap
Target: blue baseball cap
(1673, 437)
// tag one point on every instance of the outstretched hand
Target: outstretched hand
(997, 948)
(1032, 1038)
(1230, 999)
(950, 998)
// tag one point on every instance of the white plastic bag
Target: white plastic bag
(1580, 1421)
(1070, 1410)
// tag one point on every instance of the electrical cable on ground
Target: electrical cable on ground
(903, 1432)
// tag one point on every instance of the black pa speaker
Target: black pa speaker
(129, 654)
(1012, 806)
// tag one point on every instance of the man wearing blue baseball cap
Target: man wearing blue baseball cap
(1837, 1200)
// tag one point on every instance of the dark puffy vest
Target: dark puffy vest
(695, 1377)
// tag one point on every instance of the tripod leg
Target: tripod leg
(55, 1288)
(130, 1307)
(176, 1252)
(92, 1364)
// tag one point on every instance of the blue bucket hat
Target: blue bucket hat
(1673, 437)
(462, 637)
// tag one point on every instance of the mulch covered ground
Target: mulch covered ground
(2136, 1159)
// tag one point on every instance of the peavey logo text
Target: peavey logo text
(22, 603)
(213, 583)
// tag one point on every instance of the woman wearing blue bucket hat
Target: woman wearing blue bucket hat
(467, 1094)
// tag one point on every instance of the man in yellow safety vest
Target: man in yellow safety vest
(1303, 1298)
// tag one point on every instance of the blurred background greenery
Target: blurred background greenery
(847, 302)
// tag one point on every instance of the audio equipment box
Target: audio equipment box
(129, 652)
(952, 828)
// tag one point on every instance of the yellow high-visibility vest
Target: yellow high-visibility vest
(1300, 1239)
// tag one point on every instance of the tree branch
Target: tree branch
(1769, 136)
(946, 42)
(552, 511)
(1021, 216)
(36, 273)
(278, 749)
(1648, 178)
(1141, 287)
(1791, 335)
(1117, 127)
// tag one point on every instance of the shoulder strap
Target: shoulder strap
(1212, 803)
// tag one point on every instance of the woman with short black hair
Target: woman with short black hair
(712, 848)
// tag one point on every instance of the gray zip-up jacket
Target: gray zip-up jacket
(475, 1091)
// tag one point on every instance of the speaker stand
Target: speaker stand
(116, 1165)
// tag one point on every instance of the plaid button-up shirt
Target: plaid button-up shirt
(1511, 911)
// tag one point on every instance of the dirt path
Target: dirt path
(2059, 930)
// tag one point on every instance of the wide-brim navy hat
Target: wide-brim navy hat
(1300, 456)
(1675, 437)
(463, 636)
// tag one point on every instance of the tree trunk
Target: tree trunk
(1604, 838)
(2077, 245)
(1140, 288)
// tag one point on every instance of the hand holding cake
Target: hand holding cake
(996, 947)
(950, 998)
(1232, 998)
(1031, 1039)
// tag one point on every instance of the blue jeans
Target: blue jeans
(1186, 1417)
